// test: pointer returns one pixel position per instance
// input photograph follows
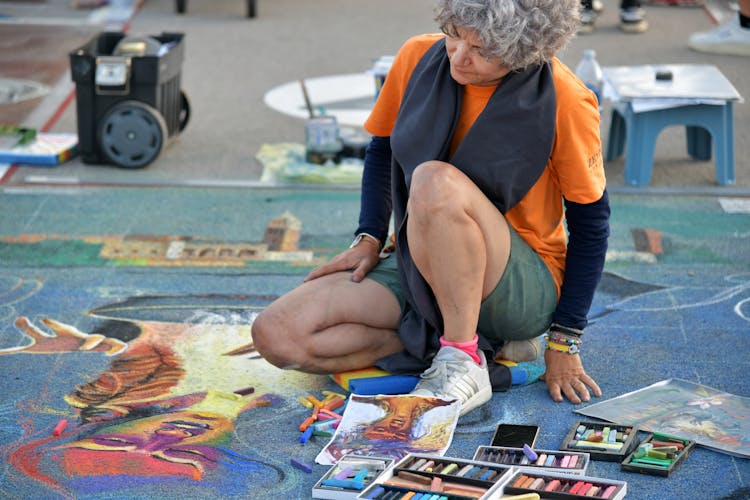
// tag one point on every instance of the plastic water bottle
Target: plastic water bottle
(590, 73)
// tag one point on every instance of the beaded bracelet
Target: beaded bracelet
(562, 344)
(562, 338)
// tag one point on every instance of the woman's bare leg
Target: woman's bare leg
(459, 241)
(328, 325)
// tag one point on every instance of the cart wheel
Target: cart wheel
(184, 116)
(132, 134)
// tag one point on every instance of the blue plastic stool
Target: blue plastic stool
(640, 130)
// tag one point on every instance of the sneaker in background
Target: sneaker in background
(729, 38)
(454, 375)
(633, 20)
(588, 20)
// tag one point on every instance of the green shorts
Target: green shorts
(521, 305)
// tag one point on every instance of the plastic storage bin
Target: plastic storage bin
(128, 98)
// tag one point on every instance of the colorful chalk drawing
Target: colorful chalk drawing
(165, 407)
(14, 289)
(279, 245)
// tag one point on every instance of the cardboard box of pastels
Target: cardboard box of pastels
(452, 478)
(659, 454)
(566, 462)
(350, 476)
(565, 486)
(602, 441)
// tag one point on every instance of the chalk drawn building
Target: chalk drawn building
(279, 245)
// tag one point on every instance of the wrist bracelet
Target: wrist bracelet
(565, 329)
(367, 237)
(563, 344)
(562, 338)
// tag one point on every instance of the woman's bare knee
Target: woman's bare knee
(283, 331)
(435, 186)
(272, 338)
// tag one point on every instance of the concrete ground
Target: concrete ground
(65, 234)
(232, 62)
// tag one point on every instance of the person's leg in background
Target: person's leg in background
(588, 17)
(732, 37)
(632, 17)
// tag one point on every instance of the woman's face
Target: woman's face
(468, 64)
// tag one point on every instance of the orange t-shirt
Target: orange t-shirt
(575, 169)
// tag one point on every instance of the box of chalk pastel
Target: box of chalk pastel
(454, 478)
(564, 486)
(601, 440)
(659, 454)
(351, 475)
(567, 462)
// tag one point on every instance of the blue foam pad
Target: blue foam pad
(389, 384)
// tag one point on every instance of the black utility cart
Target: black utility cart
(128, 98)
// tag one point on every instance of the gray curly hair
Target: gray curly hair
(521, 33)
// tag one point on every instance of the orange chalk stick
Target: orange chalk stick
(304, 425)
(315, 401)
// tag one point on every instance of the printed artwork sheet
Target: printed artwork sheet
(392, 426)
(712, 418)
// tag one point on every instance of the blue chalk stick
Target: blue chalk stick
(300, 465)
(305, 437)
(362, 474)
(349, 484)
(376, 492)
(530, 454)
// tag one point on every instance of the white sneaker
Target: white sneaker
(454, 375)
(633, 20)
(729, 38)
(520, 350)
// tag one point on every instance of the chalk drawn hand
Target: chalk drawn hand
(65, 338)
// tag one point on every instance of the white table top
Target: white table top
(689, 81)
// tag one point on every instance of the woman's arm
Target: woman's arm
(375, 206)
(374, 216)
(588, 229)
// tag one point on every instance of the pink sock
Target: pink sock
(469, 347)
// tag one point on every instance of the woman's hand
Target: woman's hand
(359, 259)
(565, 376)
